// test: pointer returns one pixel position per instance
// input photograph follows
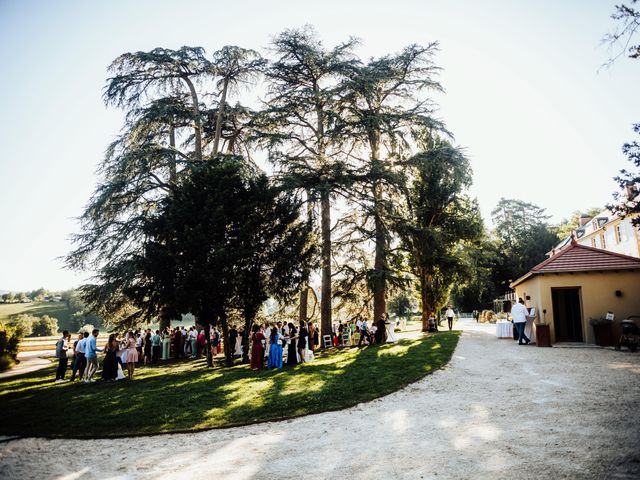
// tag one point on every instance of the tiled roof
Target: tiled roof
(580, 258)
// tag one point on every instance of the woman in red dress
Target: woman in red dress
(257, 348)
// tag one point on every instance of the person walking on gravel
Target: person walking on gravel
(450, 314)
(519, 314)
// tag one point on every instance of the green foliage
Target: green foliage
(476, 290)
(627, 19)
(524, 238)
(234, 66)
(189, 397)
(301, 131)
(79, 312)
(568, 226)
(10, 338)
(38, 294)
(44, 326)
(628, 202)
(382, 108)
(439, 220)
(23, 325)
(27, 325)
(401, 305)
(86, 328)
(224, 239)
(8, 297)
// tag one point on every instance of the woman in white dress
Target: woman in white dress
(391, 335)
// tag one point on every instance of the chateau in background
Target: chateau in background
(607, 231)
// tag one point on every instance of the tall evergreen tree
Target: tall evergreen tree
(160, 72)
(439, 218)
(233, 66)
(299, 124)
(524, 238)
(383, 104)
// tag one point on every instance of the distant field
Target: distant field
(56, 310)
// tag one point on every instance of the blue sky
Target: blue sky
(524, 95)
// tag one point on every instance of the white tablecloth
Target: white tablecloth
(504, 329)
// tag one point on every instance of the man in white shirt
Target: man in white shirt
(185, 343)
(193, 340)
(450, 314)
(79, 361)
(62, 346)
(519, 315)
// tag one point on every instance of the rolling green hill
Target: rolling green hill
(56, 310)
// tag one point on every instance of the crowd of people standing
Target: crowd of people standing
(283, 344)
(274, 345)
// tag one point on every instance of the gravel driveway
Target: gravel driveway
(497, 411)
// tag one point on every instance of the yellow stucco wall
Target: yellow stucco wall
(597, 296)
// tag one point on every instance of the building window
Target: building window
(602, 242)
(619, 238)
(593, 242)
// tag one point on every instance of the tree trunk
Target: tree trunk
(196, 113)
(425, 303)
(304, 291)
(304, 302)
(207, 321)
(219, 115)
(173, 176)
(248, 324)
(325, 301)
(380, 262)
(228, 350)
(164, 320)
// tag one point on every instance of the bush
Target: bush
(45, 326)
(9, 341)
(86, 328)
(23, 324)
(6, 362)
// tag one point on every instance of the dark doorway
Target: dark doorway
(567, 315)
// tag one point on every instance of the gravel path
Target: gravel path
(27, 364)
(497, 411)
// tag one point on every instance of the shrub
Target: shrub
(23, 324)
(9, 341)
(86, 328)
(6, 362)
(45, 326)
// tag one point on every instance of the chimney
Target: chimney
(630, 190)
(584, 219)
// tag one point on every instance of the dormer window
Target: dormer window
(580, 233)
(602, 221)
(618, 232)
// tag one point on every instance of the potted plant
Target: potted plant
(603, 331)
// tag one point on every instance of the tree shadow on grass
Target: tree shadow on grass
(187, 397)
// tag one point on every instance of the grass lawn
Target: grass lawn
(186, 396)
(56, 310)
